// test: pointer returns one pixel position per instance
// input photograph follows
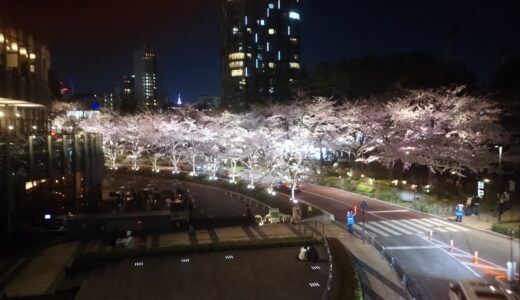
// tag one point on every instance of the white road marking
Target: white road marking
(395, 227)
(384, 228)
(387, 211)
(450, 254)
(411, 247)
(374, 229)
(435, 227)
(412, 229)
(438, 226)
(448, 224)
(337, 201)
(419, 226)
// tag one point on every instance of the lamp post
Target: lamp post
(499, 168)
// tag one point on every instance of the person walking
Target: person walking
(350, 220)
(248, 215)
(459, 212)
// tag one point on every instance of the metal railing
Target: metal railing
(409, 287)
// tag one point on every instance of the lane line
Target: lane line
(453, 257)
(381, 227)
(387, 211)
(340, 202)
(412, 247)
(390, 224)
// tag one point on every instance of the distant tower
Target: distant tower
(179, 101)
(146, 77)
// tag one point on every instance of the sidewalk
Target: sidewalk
(45, 272)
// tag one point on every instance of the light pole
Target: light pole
(499, 168)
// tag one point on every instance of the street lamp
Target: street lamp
(499, 167)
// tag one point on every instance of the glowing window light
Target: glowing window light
(294, 65)
(271, 65)
(236, 64)
(2, 38)
(294, 15)
(237, 56)
(288, 30)
(237, 73)
(267, 46)
(14, 46)
(23, 51)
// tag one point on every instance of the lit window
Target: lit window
(271, 65)
(32, 56)
(237, 55)
(245, 21)
(2, 39)
(294, 65)
(256, 37)
(267, 47)
(279, 55)
(235, 30)
(14, 46)
(261, 22)
(32, 68)
(279, 5)
(288, 30)
(271, 5)
(294, 15)
(293, 40)
(272, 31)
(236, 64)
(23, 51)
(237, 73)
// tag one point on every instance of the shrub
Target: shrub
(364, 189)
(345, 282)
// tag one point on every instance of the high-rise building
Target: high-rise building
(146, 77)
(128, 102)
(260, 50)
(24, 66)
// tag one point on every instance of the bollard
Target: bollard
(451, 245)
(383, 252)
(392, 263)
(475, 258)
(431, 235)
(373, 241)
(511, 267)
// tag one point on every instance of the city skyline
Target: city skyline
(187, 36)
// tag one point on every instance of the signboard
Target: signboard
(480, 189)
(363, 204)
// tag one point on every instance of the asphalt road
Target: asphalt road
(429, 263)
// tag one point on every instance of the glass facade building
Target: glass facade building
(260, 51)
(24, 66)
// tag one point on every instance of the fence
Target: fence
(409, 288)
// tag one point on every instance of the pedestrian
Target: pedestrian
(248, 216)
(350, 220)
(459, 212)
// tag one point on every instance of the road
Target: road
(429, 263)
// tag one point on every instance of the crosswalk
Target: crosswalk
(410, 226)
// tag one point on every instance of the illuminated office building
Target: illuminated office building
(260, 51)
(146, 78)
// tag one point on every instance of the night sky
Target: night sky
(92, 42)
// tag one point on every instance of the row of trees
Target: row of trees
(444, 130)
